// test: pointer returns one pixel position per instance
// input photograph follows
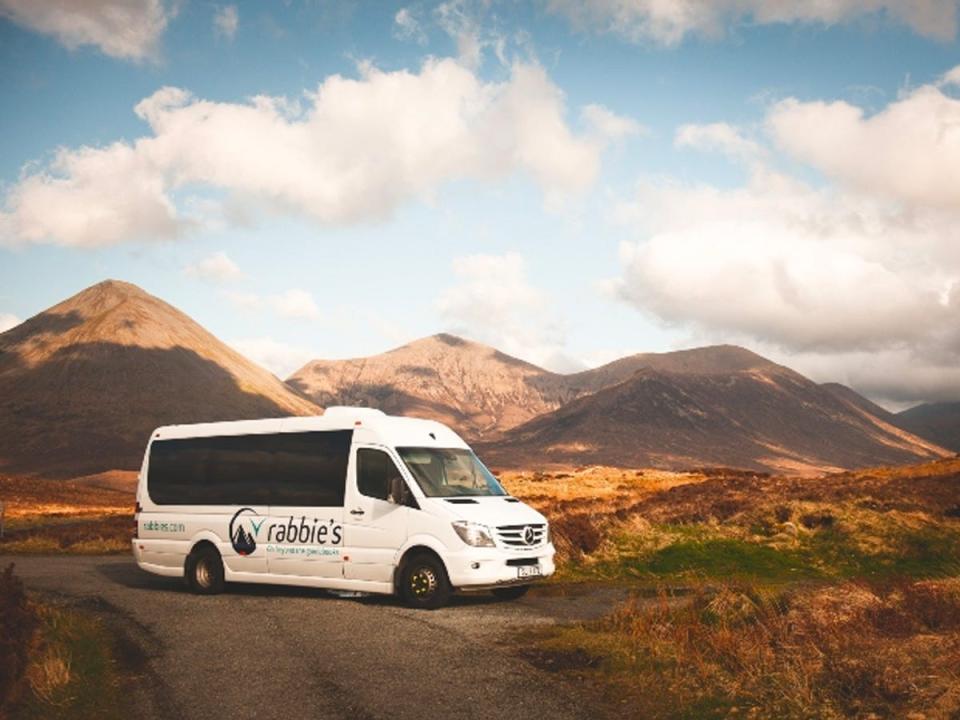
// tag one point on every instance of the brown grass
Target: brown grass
(18, 623)
(849, 650)
(848, 606)
(90, 515)
(584, 504)
(600, 516)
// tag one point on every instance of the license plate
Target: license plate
(525, 571)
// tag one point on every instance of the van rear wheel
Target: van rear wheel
(204, 570)
(424, 583)
(511, 593)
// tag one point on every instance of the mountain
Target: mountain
(711, 360)
(474, 388)
(936, 422)
(857, 401)
(714, 406)
(479, 390)
(84, 383)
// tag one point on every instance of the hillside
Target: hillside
(936, 422)
(710, 360)
(682, 410)
(481, 391)
(475, 388)
(857, 401)
(83, 384)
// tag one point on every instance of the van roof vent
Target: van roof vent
(461, 501)
(510, 499)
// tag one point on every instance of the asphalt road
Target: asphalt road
(289, 653)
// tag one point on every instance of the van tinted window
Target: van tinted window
(306, 468)
(375, 469)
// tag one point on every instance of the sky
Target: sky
(567, 181)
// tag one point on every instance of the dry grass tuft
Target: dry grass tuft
(49, 673)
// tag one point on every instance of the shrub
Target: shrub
(575, 535)
(18, 622)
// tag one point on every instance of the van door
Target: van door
(375, 528)
(304, 536)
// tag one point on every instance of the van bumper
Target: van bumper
(486, 568)
(160, 561)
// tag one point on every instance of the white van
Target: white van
(350, 500)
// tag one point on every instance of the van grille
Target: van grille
(517, 535)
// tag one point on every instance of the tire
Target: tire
(204, 571)
(511, 593)
(424, 583)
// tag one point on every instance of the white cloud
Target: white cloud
(279, 358)
(718, 137)
(668, 22)
(895, 377)
(909, 151)
(461, 21)
(494, 303)
(7, 321)
(127, 29)
(354, 152)
(857, 281)
(407, 26)
(608, 125)
(951, 78)
(787, 263)
(217, 268)
(295, 303)
(92, 197)
(226, 19)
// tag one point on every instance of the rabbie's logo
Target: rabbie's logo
(244, 542)
(245, 528)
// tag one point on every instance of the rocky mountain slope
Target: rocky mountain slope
(723, 406)
(470, 386)
(84, 383)
(937, 422)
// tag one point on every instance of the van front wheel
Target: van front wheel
(424, 583)
(205, 571)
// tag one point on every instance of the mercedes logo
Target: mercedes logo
(528, 535)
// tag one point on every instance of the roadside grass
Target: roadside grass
(57, 661)
(73, 672)
(762, 597)
(98, 535)
(851, 649)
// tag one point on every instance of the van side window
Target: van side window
(285, 469)
(375, 470)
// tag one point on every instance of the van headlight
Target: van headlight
(474, 534)
(547, 535)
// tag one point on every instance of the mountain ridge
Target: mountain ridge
(773, 420)
(938, 422)
(83, 383)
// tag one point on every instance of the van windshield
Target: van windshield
(449, 472)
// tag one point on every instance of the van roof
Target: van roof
(369, 425)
